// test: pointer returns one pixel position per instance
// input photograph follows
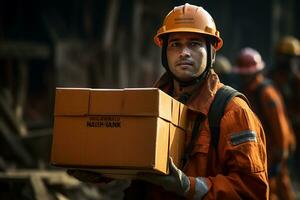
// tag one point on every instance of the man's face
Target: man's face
(187, 55)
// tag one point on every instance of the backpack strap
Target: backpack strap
(216, 112)
(223, 96)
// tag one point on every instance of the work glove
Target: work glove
(88, 176)
(176, 181)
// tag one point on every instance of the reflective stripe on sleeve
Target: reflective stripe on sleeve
(242, 137)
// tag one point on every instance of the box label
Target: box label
(104, 122)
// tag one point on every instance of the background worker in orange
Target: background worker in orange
(236, 168)
(269, 106)
(286, 76)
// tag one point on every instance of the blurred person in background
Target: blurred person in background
(223, 68)
(231, 165)
(286, 76)
(268, 104)
(222, 65)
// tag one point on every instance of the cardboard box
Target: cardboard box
(117, 131)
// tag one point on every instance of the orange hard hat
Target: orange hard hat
(288, 45)
(249, 61)
(189, 18)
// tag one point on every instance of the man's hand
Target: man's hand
(176, 181)
(88, 176)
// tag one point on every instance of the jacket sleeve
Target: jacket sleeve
(242, 156)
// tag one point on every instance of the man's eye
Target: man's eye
(193, 44)
(174, 44)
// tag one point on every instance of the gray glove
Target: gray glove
(176, 181)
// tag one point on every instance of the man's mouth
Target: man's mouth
(184, 64)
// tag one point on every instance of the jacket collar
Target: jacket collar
(201, 98)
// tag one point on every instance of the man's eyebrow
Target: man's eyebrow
(173, 40)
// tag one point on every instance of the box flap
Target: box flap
(183, 121)
(162, 141)
(176, 144)
(106, 101)
(165, 106)
(121, 102)
(175, 112)
(71, 101)
(147, 102)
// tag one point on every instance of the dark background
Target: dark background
(102, 44)
(109, 44)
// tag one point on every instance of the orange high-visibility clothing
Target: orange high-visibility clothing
(271, 111)
(289, 88)
(237, 169)
(269, 106)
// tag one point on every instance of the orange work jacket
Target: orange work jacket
(232, 171)
(271, 111)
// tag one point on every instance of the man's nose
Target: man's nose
(185, 52)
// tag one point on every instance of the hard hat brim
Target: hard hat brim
(248, 70)
(158, 41)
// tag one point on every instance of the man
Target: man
(286, 77)
(268, 105)
(286, 73)
(236, 168)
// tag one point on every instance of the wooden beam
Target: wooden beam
(108, 39)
